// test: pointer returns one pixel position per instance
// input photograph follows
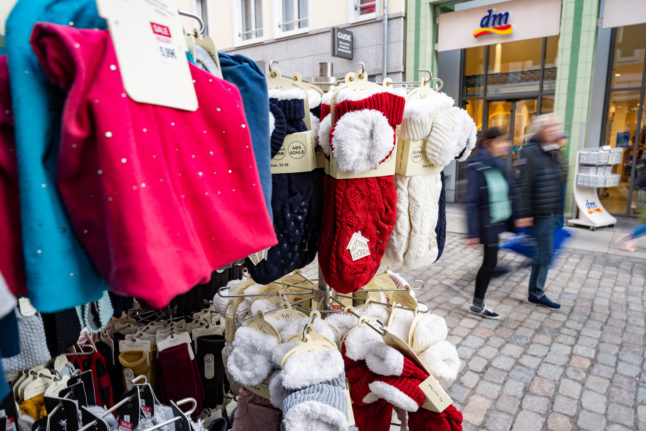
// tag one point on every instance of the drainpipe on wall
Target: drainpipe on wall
(384, 54)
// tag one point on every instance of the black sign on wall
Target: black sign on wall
(342, 43)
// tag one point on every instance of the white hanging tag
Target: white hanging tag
(358, 246)
(150, 48)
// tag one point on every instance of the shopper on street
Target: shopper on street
(541, 199)
(489, 201)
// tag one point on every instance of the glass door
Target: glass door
(513, 116)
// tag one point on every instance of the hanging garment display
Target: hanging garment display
(156, 161)
(59, 273)
(358, 209)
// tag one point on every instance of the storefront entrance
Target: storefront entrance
(515, 116)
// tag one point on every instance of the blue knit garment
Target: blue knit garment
(297, 202)
(250, 80)
(59, 273)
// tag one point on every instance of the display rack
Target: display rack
(593, 171)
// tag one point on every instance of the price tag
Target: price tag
(149, 45)
(258, 257)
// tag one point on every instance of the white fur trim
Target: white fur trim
(342, 322)
(430, 329)
(314, 416)
(400, 325)
(292, 93)
(313, 98)
(374, 312)
(359, 341)
(470, 135)
(385, 360)
(327, 98)
(394, 396)
(361, 140)
(428, 105)
(253, 340)
(324, 134)
(277, 393)
(279, 352)
(442, 361)
(249, 367)
(263, 305)
(307, 369)
(370, 398)
(272, 123)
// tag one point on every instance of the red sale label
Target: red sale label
(160, 29)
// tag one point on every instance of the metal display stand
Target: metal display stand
(593, 171)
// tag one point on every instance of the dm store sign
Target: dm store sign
(494, 23)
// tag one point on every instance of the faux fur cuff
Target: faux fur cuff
(313, 98)
(307, 369)
(342, 322)
(314, 416)
(249, 367)
(361, 140)
(393, 395)
(385, 360)
(442, 361)
(324, 134)
(292, 93)
(360, 341)
(353, 95)
(276, 392)
(316, 124)
(430, 330)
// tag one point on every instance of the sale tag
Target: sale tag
(149, 44)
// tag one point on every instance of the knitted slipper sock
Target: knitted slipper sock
(440, 227)
(423, 194)
(448, 420)
(361, 139)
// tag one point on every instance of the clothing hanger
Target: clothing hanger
(297, 78)
(181, 415)
(83, 352)
(275, 81)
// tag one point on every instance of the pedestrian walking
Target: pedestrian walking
(541, 199)
(489, 206)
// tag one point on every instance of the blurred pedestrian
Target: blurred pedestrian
(489, 206)
(629, 240)
(541, 199)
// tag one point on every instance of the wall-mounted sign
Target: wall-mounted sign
(496, 23)
(342, 43)
(509, 21)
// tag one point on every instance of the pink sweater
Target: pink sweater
(160, 197)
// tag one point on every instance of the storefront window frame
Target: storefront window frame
(640, 119)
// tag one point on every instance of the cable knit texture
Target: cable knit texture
(33, 347)
(366, 205)
(297, 199)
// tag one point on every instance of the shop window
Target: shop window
(514, 66)
(547, 105)
(294, 16)
(359, 10)
(474, 108)
(250, 22)
(628, 61)
(474, 61)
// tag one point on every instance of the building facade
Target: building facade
(507, 61)
(299, 34)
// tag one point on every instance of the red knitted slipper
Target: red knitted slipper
(364, 209)
(449, 420)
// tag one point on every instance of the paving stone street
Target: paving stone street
(580, 367)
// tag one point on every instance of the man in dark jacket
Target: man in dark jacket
(541, 199)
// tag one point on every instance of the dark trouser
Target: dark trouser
(543, 232)
(484, 274)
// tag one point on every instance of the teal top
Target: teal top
(499, 203)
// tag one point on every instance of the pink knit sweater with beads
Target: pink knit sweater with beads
(160, 197)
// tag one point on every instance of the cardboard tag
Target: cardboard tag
(358, 246)
(128, 376)
(128, 414)
(321, 159)
(146, 400)
(144, 345)
(385, 168)
(88, 385)
(60, 362)
(262, 388)
(26, 309)
(209, 366)
(35, 388)
(404, 298)
(298, 154)
(149, 43)
(98, 423)
(202, 332)
(436, 397)
(258, 257)
(346, 391)
(313, 342)
(411, 159)
(63, 418)
(261, 325)
(176, 340)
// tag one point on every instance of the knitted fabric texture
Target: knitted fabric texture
(402, 390)
(296, 200)
(62, 330)
(135, 361)
(33, 347)
(255, 413)
(247, 76)
(96, 315)
(12, 265)
(60, 274)
(414, 242)
(179, 376)
(448, 420)
(205, 192)
(365, 205)
(34, 407)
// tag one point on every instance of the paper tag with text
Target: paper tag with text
(358, 246)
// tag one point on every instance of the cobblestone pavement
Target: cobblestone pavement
(581, 367)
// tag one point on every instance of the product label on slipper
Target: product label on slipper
(298, 154)
(385, 168)
(436, 398)
(258, 257)
(358, 246)
(411, 159)
(209, 366)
